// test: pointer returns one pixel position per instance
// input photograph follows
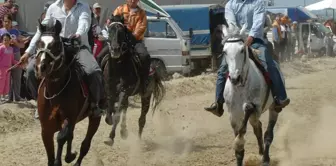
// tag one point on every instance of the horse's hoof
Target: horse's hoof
(108, 119)
(57, 163)
(124, 134)
(109, 142)
(70, 158)
(265, 164)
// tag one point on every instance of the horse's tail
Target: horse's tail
(159, 90)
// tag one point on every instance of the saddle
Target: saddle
(253, 54)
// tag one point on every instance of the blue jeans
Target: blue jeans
(271, 66)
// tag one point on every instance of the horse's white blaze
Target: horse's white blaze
(46, 40)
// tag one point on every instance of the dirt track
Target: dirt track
(183, 134)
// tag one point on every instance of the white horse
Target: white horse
(247, 95)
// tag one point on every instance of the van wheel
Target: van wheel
(160, 68)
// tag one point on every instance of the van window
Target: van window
(159, 29)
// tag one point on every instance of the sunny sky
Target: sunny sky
(294, 2)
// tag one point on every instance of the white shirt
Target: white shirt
(77, 21)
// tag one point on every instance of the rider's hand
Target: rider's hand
(249, 41)
(76, 36)
(24, 58)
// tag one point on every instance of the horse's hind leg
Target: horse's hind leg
(257, 129)
(61, 139)
(145, 102)
(94, 123)
(239, 142)
(123, 130)
(69, 157)
(268, 137)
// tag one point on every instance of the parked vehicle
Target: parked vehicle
(168, 46)
(201, 21)
(309, 30)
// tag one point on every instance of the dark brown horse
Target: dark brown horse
(123, 72)
(62, 98)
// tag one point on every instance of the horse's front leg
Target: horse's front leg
(48, 141)
(239, 141)
(124, 106)
(94, 123)
(69, 157)
(116, 119)
(257, 129)
(61, 139)
(268, 136)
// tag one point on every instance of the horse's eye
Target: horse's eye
(242, 51)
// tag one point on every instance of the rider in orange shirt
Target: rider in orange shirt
(136, 21)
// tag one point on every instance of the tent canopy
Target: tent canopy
(325, 4)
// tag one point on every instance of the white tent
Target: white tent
(325, 4)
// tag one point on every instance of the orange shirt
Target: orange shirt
(136, 22)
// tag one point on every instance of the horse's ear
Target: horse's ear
(58, 27)
(41, 27)
(225, 30)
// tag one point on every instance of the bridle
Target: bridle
(55, 59)
(48, 52)
(123, 48)
(245, 74)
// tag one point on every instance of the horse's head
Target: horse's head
(49, 57)
(118, 37)
(235, 52)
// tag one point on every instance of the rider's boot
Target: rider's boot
(216, 108)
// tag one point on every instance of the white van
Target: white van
(168, 47)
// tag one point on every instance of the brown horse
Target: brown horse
(123, 73)
(62, 98)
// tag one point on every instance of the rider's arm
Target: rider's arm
(84, 21)
(258, 19)
(118, 11)
(141, 26)
(229, 14)
(31, 48)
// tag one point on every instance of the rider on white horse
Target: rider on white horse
(75, 17)
(252, 14)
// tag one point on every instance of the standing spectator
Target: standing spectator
(328, 42)
(5, 9)
(96, 11)
(284, 36)
(15, 89)
(277, 37)
(295, 35)
(14, 11)
(6, 61)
